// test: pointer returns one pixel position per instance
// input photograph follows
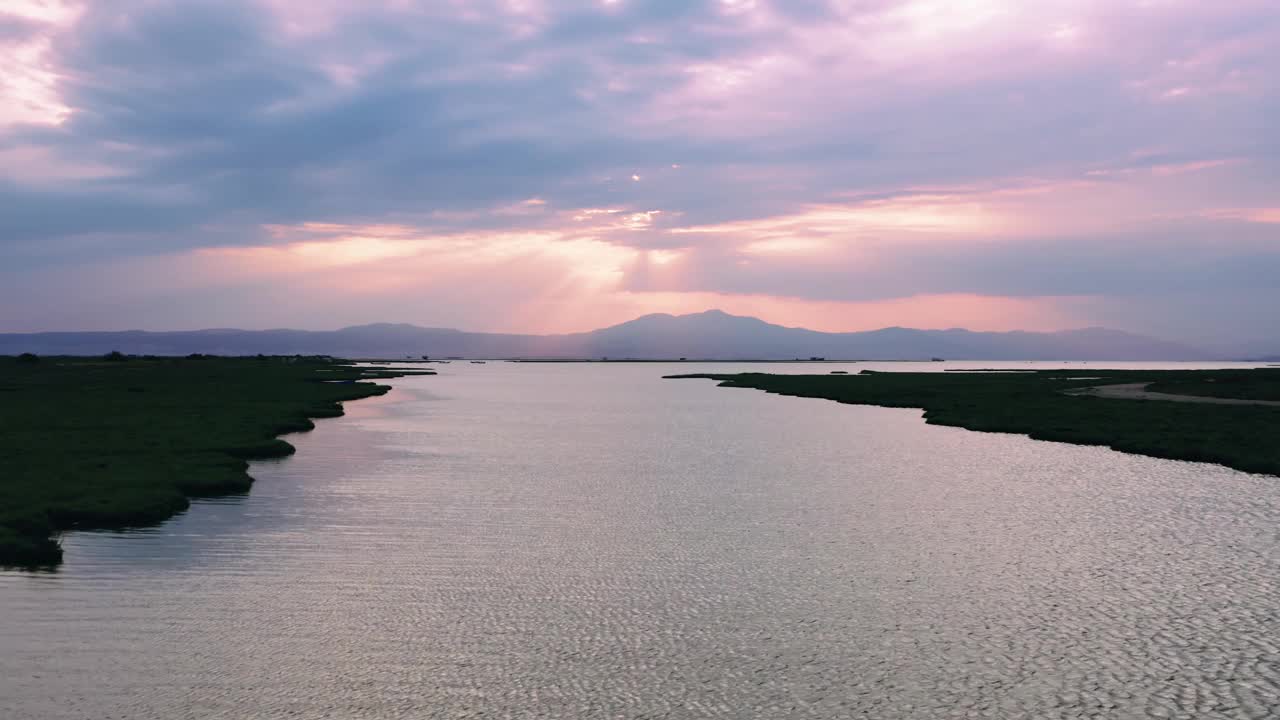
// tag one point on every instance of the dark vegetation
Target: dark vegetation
(1240, 384)
(1032, 403)
(121, 441)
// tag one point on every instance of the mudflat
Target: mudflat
(1139, 391)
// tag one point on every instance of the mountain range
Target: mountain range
(708, 335)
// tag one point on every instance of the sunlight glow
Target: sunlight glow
(395, 250)
(936, 18)
(813, 228)
(28, 79)
(664, 257)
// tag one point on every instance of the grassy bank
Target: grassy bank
(1032, 403)
(1238, 384)
(117, 442)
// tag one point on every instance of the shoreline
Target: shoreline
(1139, 391)
(95, 445)
(1042, 406)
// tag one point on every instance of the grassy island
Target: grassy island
(121, 441)
(1038, 404)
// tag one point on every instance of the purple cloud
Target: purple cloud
(1117, 153)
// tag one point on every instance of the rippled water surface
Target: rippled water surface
(590, 541)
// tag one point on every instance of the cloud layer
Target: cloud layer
(538, 165)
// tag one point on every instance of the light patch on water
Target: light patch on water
(590, 541)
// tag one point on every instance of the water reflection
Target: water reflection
(519, 540)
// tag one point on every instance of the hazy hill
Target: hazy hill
(711, 335)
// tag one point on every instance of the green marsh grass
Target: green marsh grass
(116, 441)
(1033, 403)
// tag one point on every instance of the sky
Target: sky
(549, 166)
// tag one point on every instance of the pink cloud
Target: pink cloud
(28, 77)
(516, 282)
(1264, 215)
(459, 163)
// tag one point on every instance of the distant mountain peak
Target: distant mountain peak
(710, 334)
(382, 326)
(713, 313)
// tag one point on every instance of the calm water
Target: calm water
(590, 541)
